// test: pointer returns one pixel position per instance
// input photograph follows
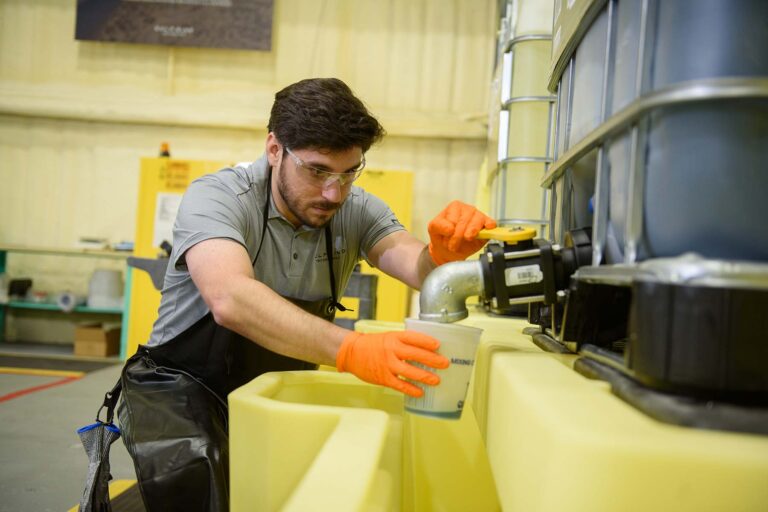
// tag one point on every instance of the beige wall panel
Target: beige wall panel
(202, 71)
(369, 64)
(423, 65)
(302, 43)
(438, 61)
(52, 56)
(444, 170)
(66, 179)
(403, 61)
(403, 54)
(474, 21)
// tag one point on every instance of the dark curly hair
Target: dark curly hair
(322, 113)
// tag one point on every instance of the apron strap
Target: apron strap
(264, 216)
(329, 251)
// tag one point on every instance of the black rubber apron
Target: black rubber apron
(174, 408)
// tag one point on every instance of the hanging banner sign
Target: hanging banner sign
(238, 24)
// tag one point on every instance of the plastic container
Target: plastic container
(528, 123)
(105, 289)
(686, 27)
(529, 68)
(698, 168)
(588, 81)
(519, 198)
(571, 196)
(68, 301)
(563, 104)
(459, 344)
(716, 164)
(520, 193)
(628, 15)
(523, 112)
(529, 17)
(709, 150)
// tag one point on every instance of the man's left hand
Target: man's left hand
(453, 233)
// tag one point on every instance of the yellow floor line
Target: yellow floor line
(40, 372)
(119, 487)
(116, 488)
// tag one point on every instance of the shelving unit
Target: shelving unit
(65, 252)
(53, 307)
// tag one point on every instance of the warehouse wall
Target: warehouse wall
(75, 117)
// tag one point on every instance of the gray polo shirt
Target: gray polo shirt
(229, 204)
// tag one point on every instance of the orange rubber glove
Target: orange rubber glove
(379, 358)
(453, 232)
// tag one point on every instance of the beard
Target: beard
(302, 208)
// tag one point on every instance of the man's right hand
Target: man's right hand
(382, 358)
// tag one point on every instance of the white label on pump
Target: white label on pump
(523, 275)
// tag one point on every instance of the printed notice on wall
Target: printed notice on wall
(165, 215)
(238, 24)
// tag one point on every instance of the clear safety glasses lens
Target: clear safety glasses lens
(325, 179)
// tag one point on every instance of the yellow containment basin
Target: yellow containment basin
(305, 441)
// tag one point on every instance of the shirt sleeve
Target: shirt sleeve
(378, 221)
(209, 209)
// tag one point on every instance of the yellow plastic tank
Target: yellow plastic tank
(559, 441)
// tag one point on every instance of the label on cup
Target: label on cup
(458, 343)
(446, 400)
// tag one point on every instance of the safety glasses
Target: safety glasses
(324, 179)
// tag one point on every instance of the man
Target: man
(261, 253)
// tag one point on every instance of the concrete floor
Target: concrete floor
(42, 462)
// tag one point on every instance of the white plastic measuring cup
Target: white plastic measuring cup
(459, 344)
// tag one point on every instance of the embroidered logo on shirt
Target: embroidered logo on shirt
(321, 258)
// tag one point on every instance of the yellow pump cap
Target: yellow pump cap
(510, 235)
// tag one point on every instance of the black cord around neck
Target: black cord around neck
(328, 246)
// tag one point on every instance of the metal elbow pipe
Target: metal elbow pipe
(445, 291)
